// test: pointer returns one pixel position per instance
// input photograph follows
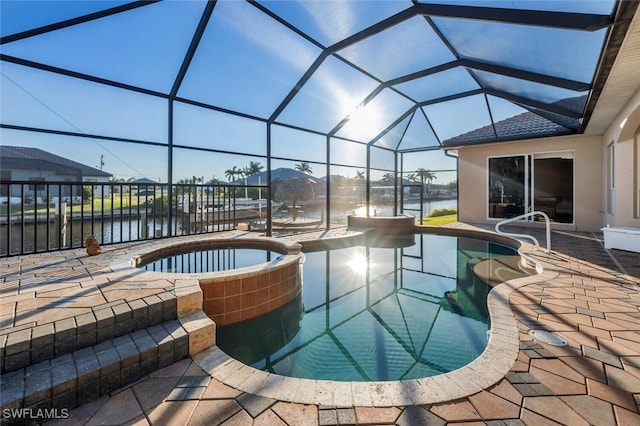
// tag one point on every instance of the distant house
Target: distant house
(281, 173)
(23, 164)
(146, 186)
(400, 182)
(144, 181)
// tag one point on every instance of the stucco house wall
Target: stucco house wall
(623, 134)
(588, 174)
(591, 173)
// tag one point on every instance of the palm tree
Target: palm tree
(214, 181)
(388, 177)
(116, 188)
(303, 167)
(412, 177)
(426, 175)
(213, 186)
(232, 173)
(253, 169)
(185, 186)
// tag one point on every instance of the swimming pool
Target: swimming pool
(370, 313)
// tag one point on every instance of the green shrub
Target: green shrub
(160, 205)
(443, 212)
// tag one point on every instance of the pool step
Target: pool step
(27, 345)
(500, 269)
(78, 377)
(30, 344)
(73, 379)
(52, 373)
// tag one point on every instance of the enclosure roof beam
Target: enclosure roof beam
(78, 134)
(537, 104)
(550, 80)
(87, 77)
(367, 32)
(564, 20)
(193, 46)
(496, 69)
(74, 21)
(451, 97)
(396, 122)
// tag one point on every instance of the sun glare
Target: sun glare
(363, 122)
(362, 211)
(358, 264)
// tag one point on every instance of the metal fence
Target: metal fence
(47, 216)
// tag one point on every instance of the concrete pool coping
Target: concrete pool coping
(488, 369)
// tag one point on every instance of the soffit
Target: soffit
(622, 84)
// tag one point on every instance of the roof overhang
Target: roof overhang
(619, 72)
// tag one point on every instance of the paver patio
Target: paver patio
(593, 302)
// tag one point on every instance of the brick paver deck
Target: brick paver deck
(592, 301)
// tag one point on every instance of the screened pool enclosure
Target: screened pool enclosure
(355, 103)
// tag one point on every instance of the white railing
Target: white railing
(522, 216)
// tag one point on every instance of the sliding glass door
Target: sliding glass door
(508, 184)
(524, 183)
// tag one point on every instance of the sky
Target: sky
(251, 72)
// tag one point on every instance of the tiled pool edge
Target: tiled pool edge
(488, 369)
(231, 295)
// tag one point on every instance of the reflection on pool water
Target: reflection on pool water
(375, 313)
(217, 259)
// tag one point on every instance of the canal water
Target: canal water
(45, 236)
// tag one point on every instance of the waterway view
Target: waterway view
(117, 227)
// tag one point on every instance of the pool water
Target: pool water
(371, 313)
(212, 260)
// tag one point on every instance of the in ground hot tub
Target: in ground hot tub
(240, 278)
